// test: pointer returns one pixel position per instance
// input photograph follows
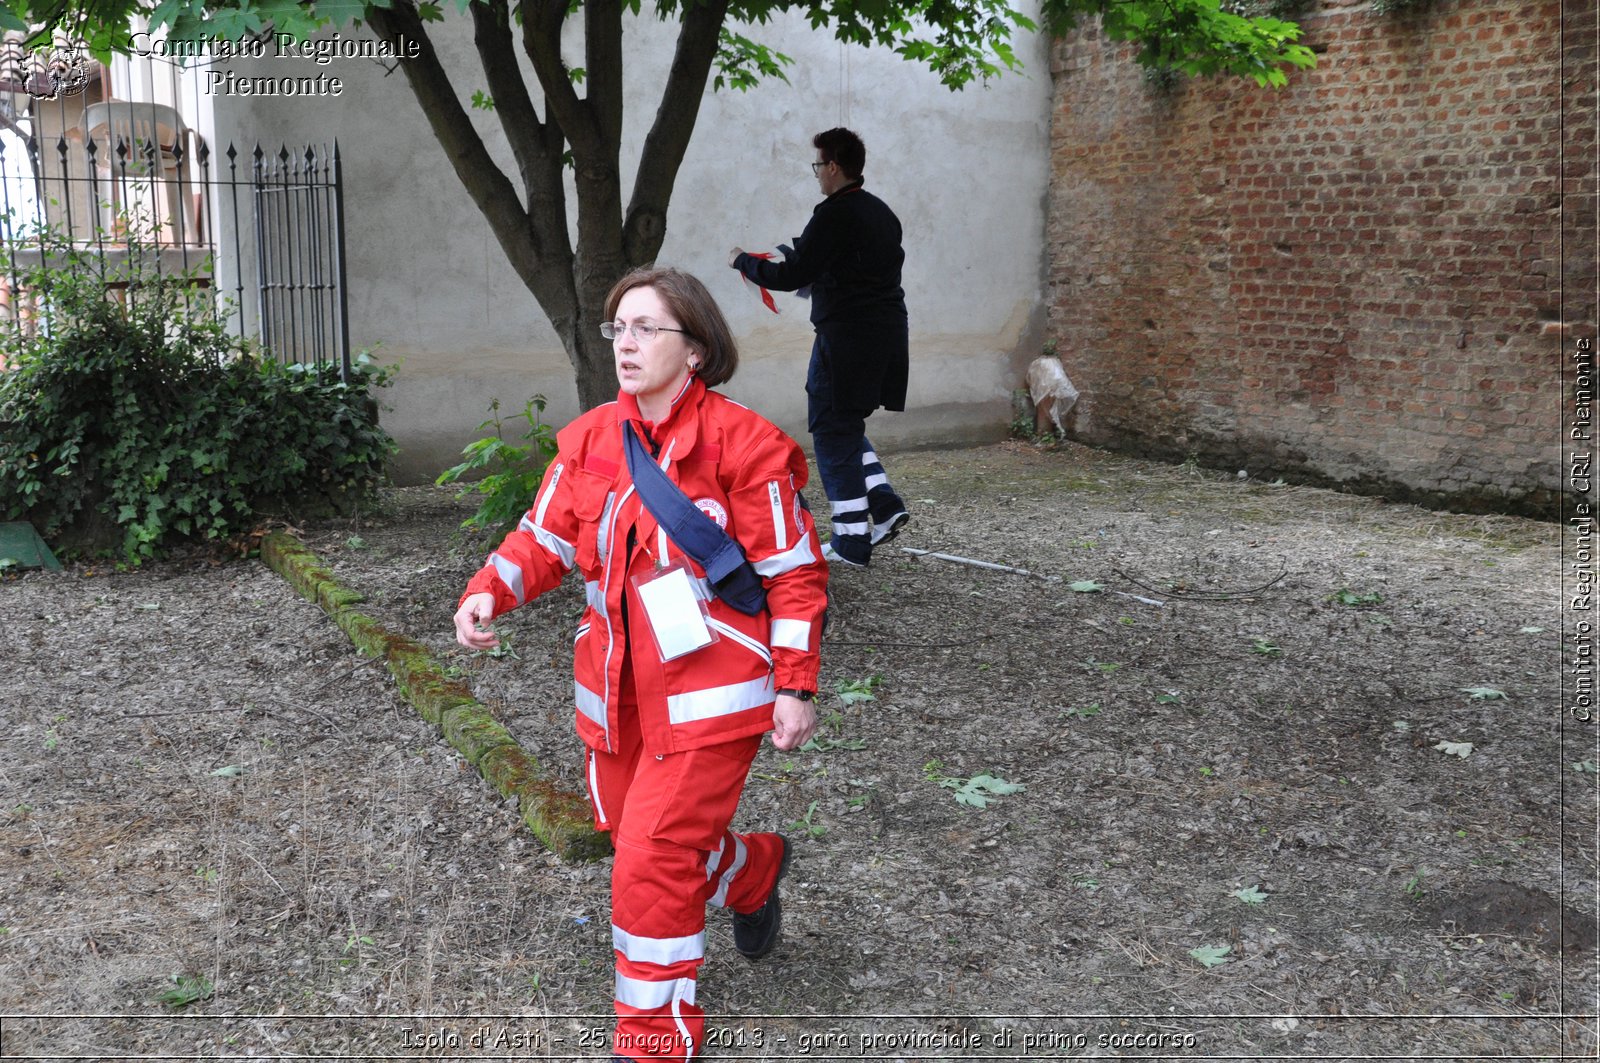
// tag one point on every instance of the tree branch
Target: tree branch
(491, 33)
(645, 225)
(541, 41)
(489, 188)
(602, 41)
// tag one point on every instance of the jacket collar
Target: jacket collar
(680, 424)
(853, 186)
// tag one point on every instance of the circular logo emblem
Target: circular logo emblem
(48, 73)
(713, 509)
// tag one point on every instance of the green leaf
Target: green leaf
(10, 21)
(1455, 749)
(1484, 693)
(1211, 955)
(1586, 767)
(186, 990)
(995, 785)
(856, 690)
(229, 771)
(232, 24)
(340, 12)
(430, 12)
(1085, 586)
(1250, 895)
(979, 790)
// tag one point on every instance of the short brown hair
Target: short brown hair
(843, 147)
(697, 312)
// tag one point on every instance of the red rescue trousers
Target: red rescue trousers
(668, 817)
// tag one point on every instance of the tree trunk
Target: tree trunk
(569, 283)
(592, 359)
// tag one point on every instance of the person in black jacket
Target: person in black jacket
(850, 257)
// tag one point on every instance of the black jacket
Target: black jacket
(850, 256)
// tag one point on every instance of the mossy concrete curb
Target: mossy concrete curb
(559, 818)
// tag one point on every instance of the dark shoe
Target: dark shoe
(756, 934)
(888, 529)
(834, 557)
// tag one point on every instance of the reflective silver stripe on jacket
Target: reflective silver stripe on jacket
(549, 540)
(590, 704)
(791, 634)
(742, 639)
(510, 574)
(599, 594)
(549, 492)
(712, 702)
(556, 545)
(780, 526)
(594, 787)
(659, 951)
(604, 538)
(797, 555)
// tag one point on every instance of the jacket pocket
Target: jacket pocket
(593, 500)
(742, 639)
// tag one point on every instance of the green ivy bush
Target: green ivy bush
(139, 427)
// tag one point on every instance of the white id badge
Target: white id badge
(676, 613)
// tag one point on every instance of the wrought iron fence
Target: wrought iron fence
(261, 237)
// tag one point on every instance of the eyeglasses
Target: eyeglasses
(643, 331)
(818, 167)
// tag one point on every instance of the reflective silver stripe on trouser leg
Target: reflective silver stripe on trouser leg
(719, 899)
(662, 952)
(653, 996)
(850, 516)
(873, 470)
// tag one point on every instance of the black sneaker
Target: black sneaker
(888, 529)
(755, 934)
(834, 557)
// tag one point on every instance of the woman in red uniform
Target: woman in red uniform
(674, 687)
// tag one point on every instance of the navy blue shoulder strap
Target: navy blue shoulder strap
(730, 575)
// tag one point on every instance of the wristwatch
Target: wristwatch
(803, 695)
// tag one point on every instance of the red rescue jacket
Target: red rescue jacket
(744, 473)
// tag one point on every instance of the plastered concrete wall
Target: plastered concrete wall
(966, 172)
(1356, 280)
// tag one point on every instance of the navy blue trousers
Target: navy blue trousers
(859, 492)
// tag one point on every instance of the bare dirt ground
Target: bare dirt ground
(1230, 751)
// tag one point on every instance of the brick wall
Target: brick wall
(1356, 280)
